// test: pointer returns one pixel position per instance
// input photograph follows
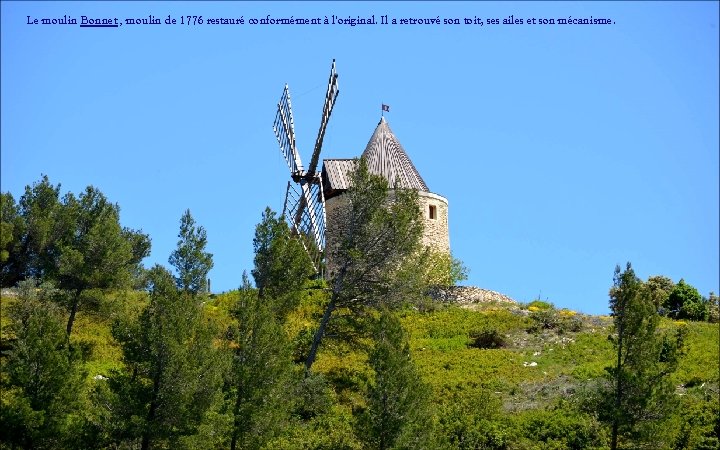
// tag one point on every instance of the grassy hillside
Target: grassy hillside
(501, 375)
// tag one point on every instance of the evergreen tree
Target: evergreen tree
(382, 230)
(174, 369)
(77, 243)
(685, 302)
(95, 252)
(261, 372)
(11, 231)
(190, 259)
(40, 379)
(39, 212)
(282, 266)
(660, 287)
(642, 393)
(397, 414)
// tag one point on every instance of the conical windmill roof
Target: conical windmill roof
(385, 156)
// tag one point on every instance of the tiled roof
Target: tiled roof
(336, 175)
(385, 156)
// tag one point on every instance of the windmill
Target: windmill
(304, 206)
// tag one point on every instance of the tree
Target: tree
(382, 230)
(77, 243)
(40, 379)
(11, 228)
(660, 287)
(642, 393)
(282, 266)
(440, 268)
(472, 419)
(685, 302)
(190, 259)
(94, 252)
(261, 372)
(38, 227)
(713, 311)
(174, 369)
(397, 414)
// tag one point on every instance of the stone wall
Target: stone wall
(435, 233)
(335, 227)
(467, 295)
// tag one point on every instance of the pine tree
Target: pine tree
(77, 243)
(382, 231)
(642, 392)
(40, 378)
(40, 210)
(12, 229)
(174, 368)
(282, 266)
(397, 414)
(190, 259)
(261, 372)
(95, 252)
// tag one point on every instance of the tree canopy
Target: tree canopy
(381, 231)
(642, 394)
(685, 302)
(174, 369)
(282, 266)
(190, 260)
(77, 243)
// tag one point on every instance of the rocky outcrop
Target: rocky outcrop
(467, 295)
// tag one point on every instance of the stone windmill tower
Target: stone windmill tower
(314, 200)
(385, 157)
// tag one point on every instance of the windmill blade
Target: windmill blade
(285, 133)
(308, 215)
(307, 220)
(291, 199)
(330, 96)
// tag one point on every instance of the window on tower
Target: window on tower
(433, 212)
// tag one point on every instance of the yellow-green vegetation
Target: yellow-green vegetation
(526, 390)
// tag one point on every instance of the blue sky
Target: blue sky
(563, 150)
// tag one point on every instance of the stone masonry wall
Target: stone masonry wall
(468, 295)
(335, 227)
(435, 232)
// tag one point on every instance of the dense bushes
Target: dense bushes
(480, 398)
(546, 317)
(487, 339)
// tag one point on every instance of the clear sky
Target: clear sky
(563, 149)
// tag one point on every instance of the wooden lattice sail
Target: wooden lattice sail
(304, 203)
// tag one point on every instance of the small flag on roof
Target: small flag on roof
(385, 108)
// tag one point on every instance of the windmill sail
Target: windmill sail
(330, 96)
(308, 222)
(304, 204)
(285, 133)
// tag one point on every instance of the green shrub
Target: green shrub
(563, 321)
(487, 339)
(570, 324)
(543, 319)
(539, 304)
(699, 428)
(685, 302)
(559, 428)
(471, 419)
